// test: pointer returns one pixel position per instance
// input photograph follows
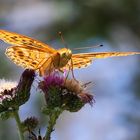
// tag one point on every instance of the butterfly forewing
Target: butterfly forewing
(25, 57)
(84, 59)
(17, 39)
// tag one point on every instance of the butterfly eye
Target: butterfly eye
(64, 54)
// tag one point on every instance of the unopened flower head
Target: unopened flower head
(13, 94)
(30, 123)
(64, 93)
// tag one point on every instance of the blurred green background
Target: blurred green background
(84, 23)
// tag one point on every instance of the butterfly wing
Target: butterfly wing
(82, 60)
(27, 58)
(21, 40)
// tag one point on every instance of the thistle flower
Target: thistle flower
(6, 85)
(12, 95)
(63, 93)
(53, 80)
(78, 89)
(6, 92)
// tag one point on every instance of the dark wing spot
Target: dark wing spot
(24, 40)
(30, 44)
(21, 56)
(27, 60)
(14, 37)
(20, 53)
(34, 63)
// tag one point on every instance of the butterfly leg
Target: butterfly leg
(41, 72)
(71, 68)
(51, 67)
(67, 74)
(61, 70)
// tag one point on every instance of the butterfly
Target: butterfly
(33, 54)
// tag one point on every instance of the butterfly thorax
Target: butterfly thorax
(61, 57)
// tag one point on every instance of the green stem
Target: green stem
(52, 121)
(16, 116)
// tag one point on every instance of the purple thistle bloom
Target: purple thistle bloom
(66, 93)
(53, 80)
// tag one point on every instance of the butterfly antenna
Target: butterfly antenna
(62, 39)
(82, 48)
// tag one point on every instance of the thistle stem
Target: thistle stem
(52, 121)
(19, 126)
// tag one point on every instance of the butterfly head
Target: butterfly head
(65, 53)
(62, 57)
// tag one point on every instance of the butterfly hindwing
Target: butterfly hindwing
(81, 62)
(25, 57)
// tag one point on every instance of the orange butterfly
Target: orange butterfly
(33, 54)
